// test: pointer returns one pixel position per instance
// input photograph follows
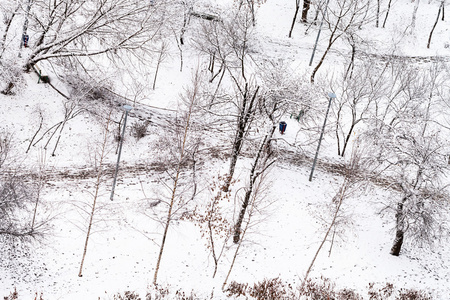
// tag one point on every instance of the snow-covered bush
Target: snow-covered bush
(11, 77)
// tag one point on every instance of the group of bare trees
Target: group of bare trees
(20, 217)
(394, 109)
(388, 106)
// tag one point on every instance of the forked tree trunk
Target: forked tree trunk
(244, 119)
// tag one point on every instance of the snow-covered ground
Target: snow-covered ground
(123, 247)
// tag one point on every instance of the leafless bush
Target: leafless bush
(12, 296)
(388, 291)
(10, 77)
(18, 198)
(382, 293)
(316, 290)
(411, 294)
(271, 289)
(236, 289)
(139, 129)
(127, 296)
(268, 289)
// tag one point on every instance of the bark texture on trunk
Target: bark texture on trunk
(306, 6)
(400, 229)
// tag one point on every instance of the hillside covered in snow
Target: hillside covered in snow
(224, 149)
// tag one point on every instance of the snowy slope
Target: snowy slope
(123, 247)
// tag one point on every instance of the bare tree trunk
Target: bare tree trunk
(244, 118)
(97, 187)
(177, 176)
(378, 14)
(330, 227)
(250, 214)
(435, 23)
(321, 61)
(351, 183)
(41, 120)
(400, 230)
(387, 13)
(253, 177)
(161, 57)
(413, 21)
(306, 6)
(297, 8)
(8, 22)
(40, 186)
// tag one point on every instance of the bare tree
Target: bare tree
(343, 16)
(352, 184)
(358, 93)
(213, 220)
(184, 151)
(414, 15)
(387, 12)
(418, 165)
(231, 42)
(441, 8)
(9, 12)
(103, 27)
(254, 207)
(17, 199)
(409, 147)
(294, 19)
(262, 161)
(99, 168)
(162, 54)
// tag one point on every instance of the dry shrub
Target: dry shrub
(139, 129)
(268, 289)
(127, 296)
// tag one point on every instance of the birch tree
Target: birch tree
(100, 156)
(184, 150)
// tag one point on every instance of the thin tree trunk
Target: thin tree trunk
(5, 34)
(156, 74)
(175, 185)
(56, 125)
(250, 213)
(378, 14)
(243, 121)
(41, 120)
(342, 195)
(320, 62)
(217, 87)
(351, 65)
(97, 187)
(413, 21)
(248, 193)
(338, 138)
(435, 23)
(297, 8)
(387, 13)
(349, 134)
